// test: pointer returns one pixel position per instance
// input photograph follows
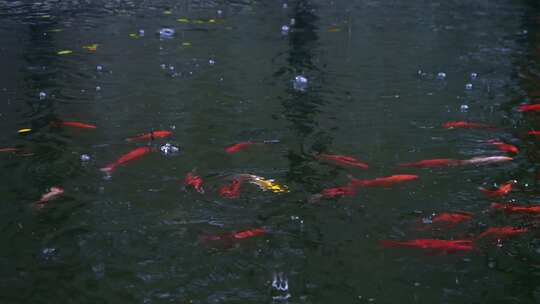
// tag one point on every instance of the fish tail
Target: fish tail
(390, 244)
(109, 168)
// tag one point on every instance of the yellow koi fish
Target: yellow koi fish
(266, 184)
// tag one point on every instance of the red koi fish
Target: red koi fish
(126, 158)
(503, 190)
(451, 219)
(534, 133)
(529, 108)
(239, 147)
(465, 125)
(502, 232)
(54, 193)
(432, 163)
(338, 192)
(383, 181)
(341, 160)
(531, 210)
(241, 235)
(150, 136)
(483, 160)
(194, 181)
(442, 246)
(73, 124)
(231, 191)
(504, 147)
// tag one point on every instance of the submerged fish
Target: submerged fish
(530, 210)
(529, 108)
(54, 193)
(240, 235)
(503, 190)
(502, 232)
(465, 125)
(4, 150)
(73, 124)
(504, 147)
(342, 160)
(127, 158)
(238, 147)
(432, 163)
(451, 219)
(383, 181)
(150, 136)
(231, 191)
(436, 245)
(194, 181)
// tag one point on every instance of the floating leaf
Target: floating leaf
(167, 12)
(198, 21)
(134, 36)
(91, 47)
(55, 30)
(24, 131)
(64, 52)
(183, 20)
(186, 43)
(212, 21)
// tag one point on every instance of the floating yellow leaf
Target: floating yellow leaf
(167, 12)
(64, 52)
(183, 20)
(186, 43)
(91, 47)
(24, 131)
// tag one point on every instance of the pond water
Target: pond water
(371, 79)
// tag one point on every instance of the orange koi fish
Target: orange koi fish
(231, 191)
(502, 232)
(529, 108)
(534, 133)
(442, 246)
(451, 219)
(127, 158)
(465, 125)
(241, 235)
(150, 136)
(504, 147)
(73, 124)
(383, 181)
(432, 163)
(194, 181)
(54, 193)
(239, 147)
(341, 160)
(339, 192)
(531, 210)
(503, 190)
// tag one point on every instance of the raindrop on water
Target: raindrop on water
(468, 86)
(474, 76)
(168, 149)
(141, 33)
(166, 33)
(441, 75)
(98, 88)
(464, 108)
(99, 68)
(284, 29)
(292, 22)
(42, 95)
(300, 83)
(85, 157)
(211, 62)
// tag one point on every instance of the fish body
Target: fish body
(432, 244)
(74, 124)
(534, 133)
(54, 193)
(238, 147)
(383, 181)
(231, 191)
(345, 161)
(485, 160)
(503, 190)
(248, 233)
(266, 184)
(504, 147)
(432, 163)
(502, 232)
(194, 181)
(339, 192)
(465, 125)
(150, 136)
(127, 158)
(6, 150)
(531, 210)
(529, 108)
(451, 219)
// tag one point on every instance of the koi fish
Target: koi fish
(9, 150)
(238, 147)
(432, 163)
(194, 181)
(341, 160)
(265, 184)
(504, 147)
(529, 108)
(73, 124)
(451, 219)
(338, 192)
(502, 232)
(532, 210)
(126, 158)
(465, 125)
(241, 235)
(54, 193)
(383, 181)
(150, 136)
(432, 244)
(534, 133)
(231, 191)
(503, 190)
(483, 160)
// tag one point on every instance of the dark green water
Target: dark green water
(373, 94)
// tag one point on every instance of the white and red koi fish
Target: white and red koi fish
(52, 194)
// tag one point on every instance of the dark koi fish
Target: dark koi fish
(504, 147)
(241, 235)
(531, 210)
(126, 158)
(72, 124)
(231, 191)
(150, 136)
(341, 160)
(503, 190)
(338, 192)
(239, 147)
(7, 150)
(54, 193)
(442, 246)
(465, 125)
(194, 181)
(383, 181)
(529, 108)
(432, 163)
(502, 232)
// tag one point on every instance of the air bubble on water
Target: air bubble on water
(468, 86)
(168, 149)
(427, 220)
(219, 12)
(99, 68)
(141, 33)
(464, 108)
(173, 127)
(441, 75)
(166, 33)
(491, 264)
(85, 157)
(48, 251)
(300, 83)
(211, 62)
(98, 88)
(284, 29)
(42, 95)
(292, 22)
(285, 5)
(163, 66)
(171, 67)
(474, 76)
(416, 284)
